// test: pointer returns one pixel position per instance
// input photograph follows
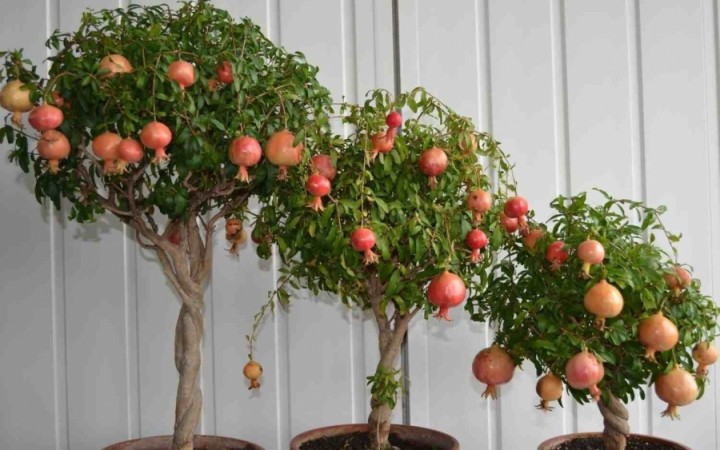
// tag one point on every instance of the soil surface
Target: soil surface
(597, 444)
(361, 441)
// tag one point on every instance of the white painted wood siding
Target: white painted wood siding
(618, 93)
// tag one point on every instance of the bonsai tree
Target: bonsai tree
(595, 303)
(399, 223)
(202, 94)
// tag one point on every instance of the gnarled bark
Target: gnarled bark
(616, 423)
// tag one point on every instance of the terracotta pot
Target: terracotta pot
(407, 433)
(200, 442)
(551, 444)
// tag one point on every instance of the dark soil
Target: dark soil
(361, 441)
(597, 444)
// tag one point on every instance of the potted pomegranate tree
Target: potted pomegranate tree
(159, 118)
(600, 309)
(399, 223)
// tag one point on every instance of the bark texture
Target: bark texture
(391, 332)
(188, 336)
(616, 423)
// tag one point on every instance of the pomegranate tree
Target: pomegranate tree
(593, 298)
(387, 240)
(125, 123)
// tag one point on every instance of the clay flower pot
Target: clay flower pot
(554, 443)
(200, 443)
(399, 434)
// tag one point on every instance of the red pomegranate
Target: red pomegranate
(280, 152)
(45, 117)
(105, 147)
(53, 146)
(556, 255)
(323, 165)
(318, 186)
(244, 152)
(446, 290)
(476, 240)
(493, 366)
(363, 240)
(479, 202)
(584, 371)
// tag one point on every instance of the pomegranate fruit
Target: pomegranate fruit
(115, 64)
(245, 152)
(382, 142)
(604, 300)
(476, 240)
(393, 120)
(590, 252)
(585, 371)
(677, 280)
(16, 100)
(53, 146)
(363, 240)
(57, 99)
(532, 237)
(479, 202)
(657, 333)
(224, 72)
(280, 152)
(183, 73)
(508, 223)
(550, 388)
(235, 234)
(253, 371)
(45, 117)
(156, 136)
(556, 255)
(678, 388)
(323, 165)
(105, 147)
(705, 354)
(318, 186)
(433, 162)
(129, 151)
(446, 290)
(516, 208)
(493, 366)
(469, 143)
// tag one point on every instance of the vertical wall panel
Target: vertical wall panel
(33, 413)
(675, 111)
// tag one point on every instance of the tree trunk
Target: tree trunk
(616, 423)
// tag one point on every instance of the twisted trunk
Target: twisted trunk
(391, 332)
(188, 336)
(616, 423)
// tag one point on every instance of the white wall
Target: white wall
(617, 93)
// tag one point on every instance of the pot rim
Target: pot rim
(335, 430)
(567, 437)
(160, 439)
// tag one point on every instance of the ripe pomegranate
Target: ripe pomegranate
(318, 186)
(129, 151)
(657, 333)
(508, 223)
(590, 252)
(677, 388)
(479, 202)
(53, 146)
(604, 300)
(323, 165)
(516, 208)
(382, 142)
(393, 120)
(213, 84)
(280, 151)
(105, 147)
(183, 73)
(446, 290)
(363, 240)
(433, 162)
(531, 238)
(156, 135)
(584, 371)
(245, 152)
(705, 354)
(556, 255)
(16, 100)
(550, 388)
(253, 371)
(57, 99)
(476, 240)
(115, 64)
(493, 366)
(45, 117)
(678, 279)
(472, 140)
(224, 72)
(235, 234)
